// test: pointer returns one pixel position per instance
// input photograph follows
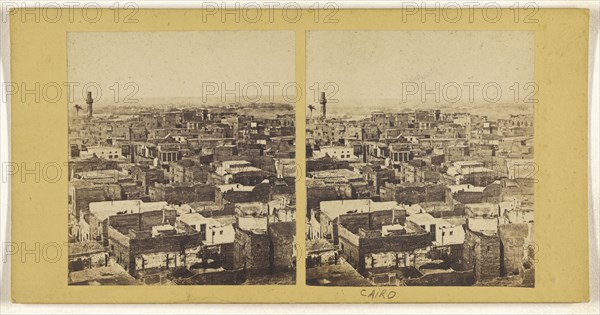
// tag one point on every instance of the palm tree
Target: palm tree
(311, 108)
(77, 109)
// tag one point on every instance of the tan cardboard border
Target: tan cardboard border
(39, 130)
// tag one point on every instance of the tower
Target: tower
(323, 102)
(89, 101)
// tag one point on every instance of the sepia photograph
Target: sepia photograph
(419, 158)
(182, 158)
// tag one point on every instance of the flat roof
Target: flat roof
(334, 208)
(104, 209)
(422, 219)
(466, 188)
(335, 173)
(235, 187)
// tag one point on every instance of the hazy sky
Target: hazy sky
(175, 64)
(370, 66)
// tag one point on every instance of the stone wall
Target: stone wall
(282, 236)
(251, 251)
(227, 253)
(513, 246)
(482, 254)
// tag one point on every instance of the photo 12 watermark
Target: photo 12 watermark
(469, 92)
(55, 92)
(71, 11)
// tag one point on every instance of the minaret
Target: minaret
(323, 102)
(89, 101)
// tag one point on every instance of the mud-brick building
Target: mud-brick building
(378, 243)
(182, 192)
(413, 193)
(318, 190)
(150, 242)
(189, 171)
(82, 193)
(237, 193)
(265, 249)
(94, 224)
(251, 249)
(282, 237)
(364, 211)
(482, 254)
(87, 255)
(516, 241)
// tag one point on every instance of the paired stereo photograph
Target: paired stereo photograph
(419, 162)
